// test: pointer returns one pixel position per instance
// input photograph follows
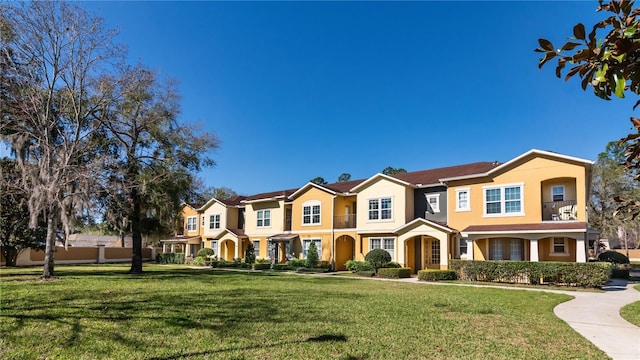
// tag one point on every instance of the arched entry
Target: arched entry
(422, 252)
(345, 246)
(227, 250)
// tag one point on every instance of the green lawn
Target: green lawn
(98, 312)
(631, 312)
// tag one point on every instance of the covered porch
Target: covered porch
(189, 245)
(425, 244)
(281, 246)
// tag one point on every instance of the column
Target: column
(469, 249)
(581, 255)
(100, 254)
(533, 250)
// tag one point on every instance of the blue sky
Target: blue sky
(295, 90)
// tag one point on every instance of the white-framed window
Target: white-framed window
(505, 200)
(305, 247)
(559, 246)
(388, 244)
(380, 209)
(192, 223)
(264, 218)
(256, 248)
(557, 193)
(433, 200)
(214, 221)
(214, 246)
(462, 246)
(462, 199)
(311, 213)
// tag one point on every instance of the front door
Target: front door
(432, 253)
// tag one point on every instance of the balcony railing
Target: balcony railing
(344, 221)
(559, 211)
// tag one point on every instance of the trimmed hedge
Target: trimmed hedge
(365, 273)
(357, 266)
(394, 273)
(436, 275)
(281, 267)
(170, 258)
(261, 266)
(297, 263)
(593, 274)
(199, 261)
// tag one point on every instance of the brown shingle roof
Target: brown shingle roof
(550, 226)
(270, 195)
(238, 232)
(344, 186)
(433, 176)
(233, 201)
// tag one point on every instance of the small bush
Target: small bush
(355, 266)
(214, 263)
(323, 265)
(436, 275)
(170, 258)
(365, 273)
(227, 264)
(613, 257)
(261, 266)
(281, 267)
(394, 273)
(312, 255)
(391, 264)
(199, 261)
(263, 261)
(377, 258)
(297, 263)
(249, 254)
(206, 252)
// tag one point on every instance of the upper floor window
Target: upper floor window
(434, 203)
(311, 213)
(557, 193)
(264, 218)
(503, 200)
(192, 223)
(214, 221)
(380, 209)
(462, 200)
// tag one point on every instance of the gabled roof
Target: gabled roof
(431, 177)
(232, 201)
(237, 233)
(270, 196)
(435, 224)
(334, 188)
(375, 178)
(194, 207)
(515, 160)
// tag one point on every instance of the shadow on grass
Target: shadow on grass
(319, 338)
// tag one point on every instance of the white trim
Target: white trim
(318, 242)
(503, 200)
(311, 204)
(379, 210)
(566, 247)
(468, 207)
(195, 223)
(378, 176)
(263, 226)
(309, 185)
(516, 159)
(219, 221)
(551, 231)
(564, 194)
(419, 220)
(382, 243)
(435, 209)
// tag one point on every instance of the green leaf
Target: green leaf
(620, 84)
(578, 31)
(629, 32)
(545, 44)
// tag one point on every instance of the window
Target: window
(388, 244)
(463, 247)
(504, 200)
(559, 246)
(506, 249)
(202, 220)
(435, 252)
(214, 222)
(214, 247)
(256, 248)
(462, 200)
(557, 193)
(496, 249)
(264, 218)
(305, 247)
(311, 213)
(434, 203)
(515, 248)
(380, 209)
(192, 224)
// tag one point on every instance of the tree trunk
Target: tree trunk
(134, 218)
(47, 272)
(10, 254)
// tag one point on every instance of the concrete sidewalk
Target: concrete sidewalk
(596, 316)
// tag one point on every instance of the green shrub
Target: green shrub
(394, 273)
(377, 258)
(613, 257)
(391, 264)
(436, 275)
(199, 261)
(281, 267)
(227, 264)
(323, 265)
(351, 265)
(365, 273)
(250, 254)
(214, 263)
(206, 252)
(620, 271)
(263, 261)
(594, 274)
(355, 266)
(312, 255)
(261, 266)
(170, 258)
(297, 263)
